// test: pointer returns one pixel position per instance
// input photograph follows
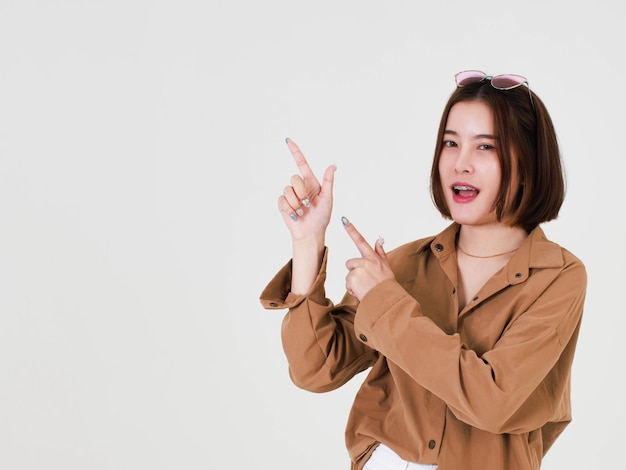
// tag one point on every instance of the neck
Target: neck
(490, 240)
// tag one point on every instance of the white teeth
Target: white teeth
(457, 188)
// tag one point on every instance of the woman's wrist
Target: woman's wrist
(306, 262)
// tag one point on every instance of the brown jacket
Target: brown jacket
(487, 388)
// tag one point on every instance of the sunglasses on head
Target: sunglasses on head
(499, 82)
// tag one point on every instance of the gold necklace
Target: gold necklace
(483, 257)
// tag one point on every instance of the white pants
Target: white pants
(383, 458)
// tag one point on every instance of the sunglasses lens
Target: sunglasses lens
(469, 76)
(508, 81)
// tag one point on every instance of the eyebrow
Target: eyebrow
(476, 137)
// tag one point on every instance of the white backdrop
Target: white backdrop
(141, 156)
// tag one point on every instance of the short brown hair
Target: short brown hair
(525, 131)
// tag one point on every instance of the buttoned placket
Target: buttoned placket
(507, 276)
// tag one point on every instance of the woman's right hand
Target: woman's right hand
(306, 205)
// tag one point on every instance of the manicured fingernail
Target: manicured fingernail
(293, 217)
(306, 202)
(345, 221)
(381, 240)
(287, 140)
(300, 212)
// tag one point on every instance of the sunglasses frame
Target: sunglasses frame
(466, 77)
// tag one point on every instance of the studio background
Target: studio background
(141, 157)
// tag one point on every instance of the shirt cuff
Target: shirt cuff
(378, 302)
(277, 294)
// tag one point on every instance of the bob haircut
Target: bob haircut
(526, 139)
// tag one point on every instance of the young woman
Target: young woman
(470, 334)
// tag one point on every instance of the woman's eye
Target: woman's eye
(449, 143)
(486, 147)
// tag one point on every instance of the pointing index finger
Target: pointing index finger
(364, 248)
(298, 156)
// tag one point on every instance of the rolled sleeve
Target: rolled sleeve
(386, 297)
(277, 294)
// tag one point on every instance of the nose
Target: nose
(463, 163)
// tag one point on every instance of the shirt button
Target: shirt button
(439, 247)
(363, 338)
(273, 304)
(475, 299)
(454, 290)
(518, 275)
(431, 444)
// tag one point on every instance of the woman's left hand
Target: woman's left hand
(370, 269)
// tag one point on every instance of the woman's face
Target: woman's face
(468, 166)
